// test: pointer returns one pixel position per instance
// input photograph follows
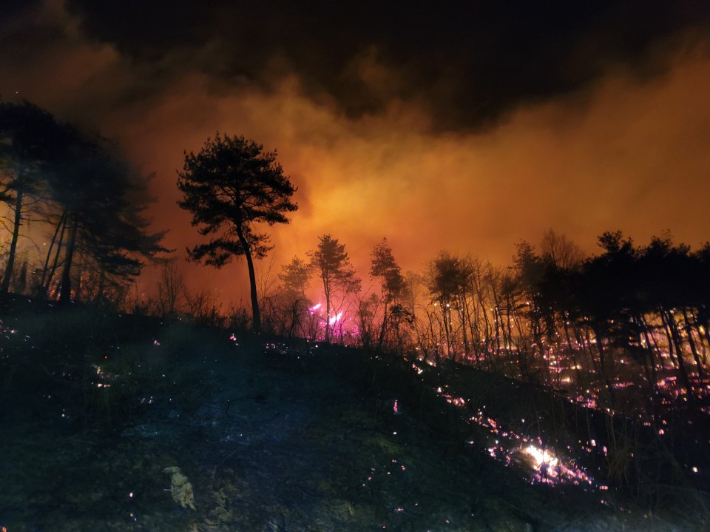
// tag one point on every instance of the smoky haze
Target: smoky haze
(466, 129)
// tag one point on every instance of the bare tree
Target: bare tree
(560, 250)
(171, 287)
(203, 307)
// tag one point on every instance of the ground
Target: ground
(100, 412)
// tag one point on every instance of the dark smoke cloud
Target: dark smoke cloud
(469, 62)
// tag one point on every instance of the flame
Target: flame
(335, 319)
(541, 456)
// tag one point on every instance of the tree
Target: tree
(560, 250)
(231, 185)
(28, 137)
(294, 279)
(85, 187)
(447, 280)
(331, 263)
(529, 269)
(102, 201)
(385, 268)
(171, 288)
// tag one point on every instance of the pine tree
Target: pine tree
(230, 186)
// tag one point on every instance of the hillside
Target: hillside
(118, 423)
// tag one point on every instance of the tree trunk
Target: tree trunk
(587, 341)
(651, 350)
(65, 291)
(509, 327)
(17, 222)
(475, 332)
(604, 365)
(255, 314)
(55, 263)
(327, 294)
(383, 328)
(669, 320)
(463, 300)
(487, 324)
(691, 343)
(571, 351)
(447, 331)
(60, 225)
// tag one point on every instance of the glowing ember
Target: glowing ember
(548, 468)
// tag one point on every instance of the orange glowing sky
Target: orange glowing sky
(622, 152)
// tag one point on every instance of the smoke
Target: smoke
(468, 62)
(618, 152)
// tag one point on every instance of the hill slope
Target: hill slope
(123, 423)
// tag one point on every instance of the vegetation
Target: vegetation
(81, 188)
(230, 187)
(332, 266)
(28, 144)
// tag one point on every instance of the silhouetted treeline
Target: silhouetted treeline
(624, 329)
(628, 327)
(77, 193)
(645, 306)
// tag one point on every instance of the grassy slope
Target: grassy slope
(270, 439)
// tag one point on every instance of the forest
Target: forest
(630, 324)
(623, 333)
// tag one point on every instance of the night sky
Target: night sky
(464, 126)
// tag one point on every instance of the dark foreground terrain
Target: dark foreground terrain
(112, 423)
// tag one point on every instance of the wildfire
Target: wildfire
(548, 468)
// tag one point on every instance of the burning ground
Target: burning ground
(103, 433)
